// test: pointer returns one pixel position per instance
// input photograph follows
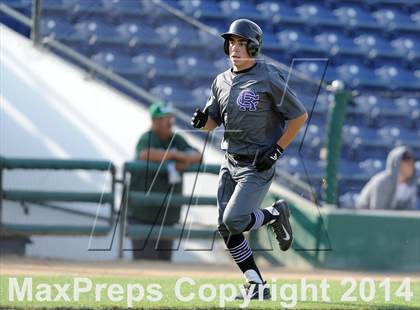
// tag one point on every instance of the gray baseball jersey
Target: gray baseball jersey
(253, 106)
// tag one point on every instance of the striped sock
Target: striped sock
(242, 254)
(261, 217)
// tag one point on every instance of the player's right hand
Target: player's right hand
(199, 119)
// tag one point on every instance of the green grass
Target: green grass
(169, 299)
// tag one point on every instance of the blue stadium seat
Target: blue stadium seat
(71, 36)
(400, 136)
(398, 78)
(178, 97)
(157, 66)
(338, 44)
(348, 169)
(357, 76)
(218, 24)
(384, 3)
(85, 8)
(279, 13)
(382, 111)
(180, 51)
(361, 142)
(193, 68)
(175, 34)
(124, 8)
(157, 13)
(323, 102)
(348, 199)
(411, 107)
(140, 34)
(208, 46)
(310, 170)
(409, 47)
(56, 27)
(371, 166)
(365, 102)
(353, 183)
(17, 4)
(271, 46)
(202, 9)
(355, 16)
(316, 69)
(241, 9)
(119, 63)
(415, 17)
(176, 83)
(55, 6)
(394, 19)
(312, 137)
(99, 33)
(357, 112)
(375, 46)
(318, 15)
(299, 43)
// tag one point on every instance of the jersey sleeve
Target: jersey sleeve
(285, 100)
(212, 105)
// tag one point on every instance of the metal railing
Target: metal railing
(51, 199)
(16, 15)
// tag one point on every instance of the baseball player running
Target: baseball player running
(261, 117)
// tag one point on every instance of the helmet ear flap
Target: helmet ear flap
(253, 49)
(226, 47)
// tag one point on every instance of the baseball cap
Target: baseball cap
(160, 109)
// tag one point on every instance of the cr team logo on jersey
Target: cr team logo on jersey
(247, 99)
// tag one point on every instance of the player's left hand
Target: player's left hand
(269, 158)
(199, 119)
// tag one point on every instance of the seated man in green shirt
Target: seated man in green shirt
(157, 145)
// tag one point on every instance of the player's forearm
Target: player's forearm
(292, 129)
(158, 155)
(191, 158)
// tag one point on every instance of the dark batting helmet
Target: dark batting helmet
(248, 30)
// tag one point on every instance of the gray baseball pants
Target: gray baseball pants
(241, 191)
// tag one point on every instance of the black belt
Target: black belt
(240, 157)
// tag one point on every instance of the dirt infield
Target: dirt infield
(11, 265)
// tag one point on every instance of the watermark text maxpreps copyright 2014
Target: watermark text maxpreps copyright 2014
(187, 290)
